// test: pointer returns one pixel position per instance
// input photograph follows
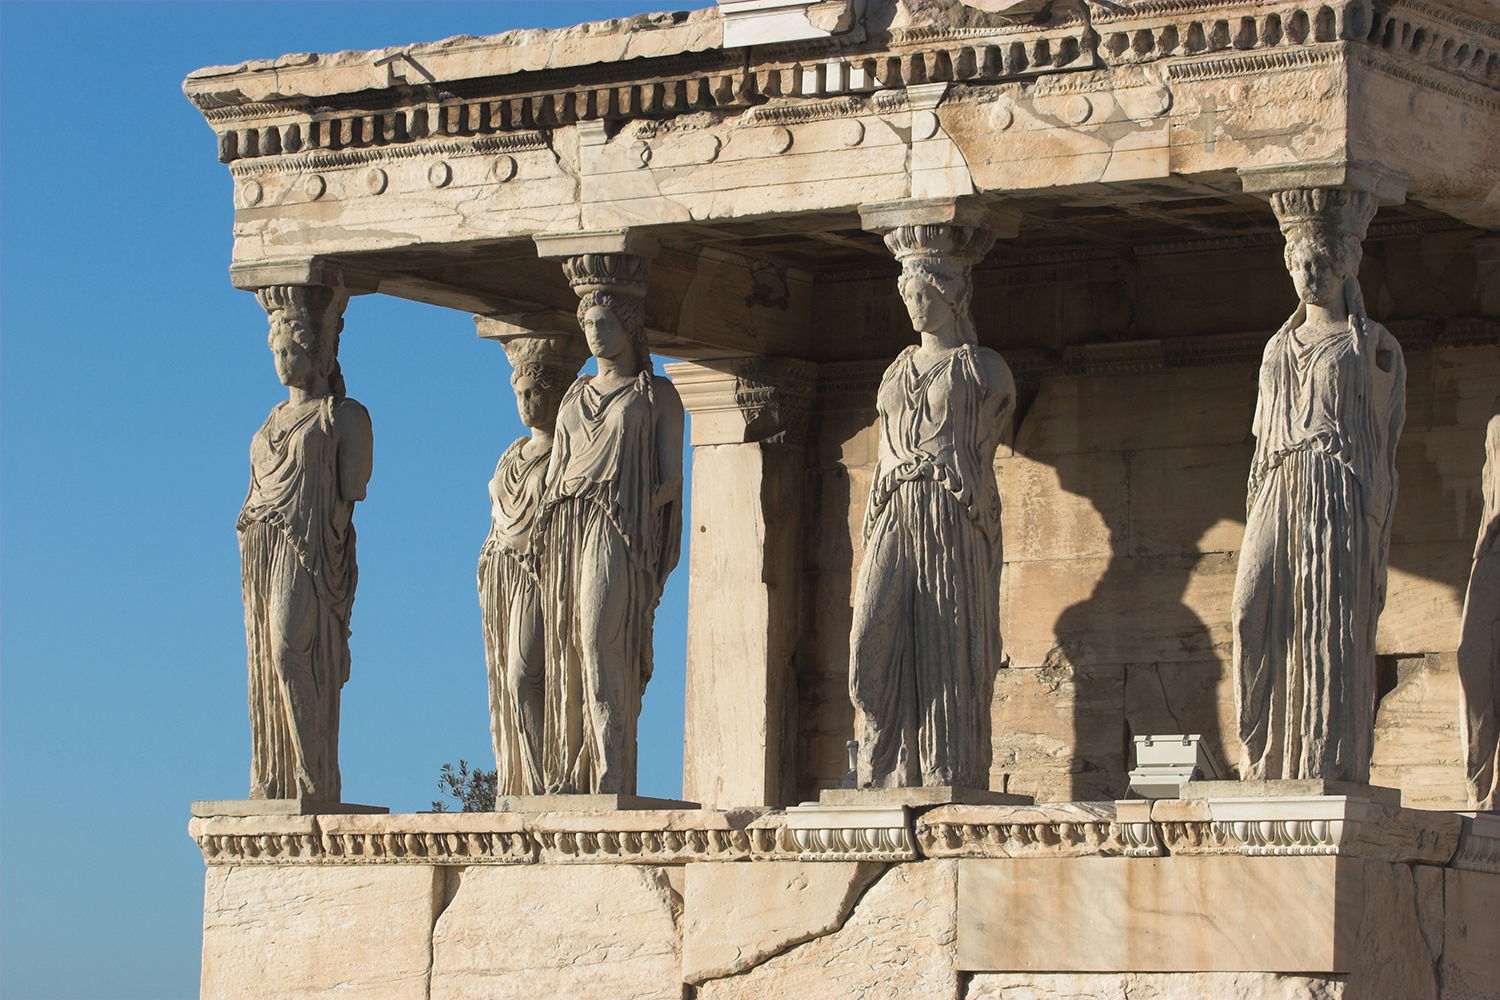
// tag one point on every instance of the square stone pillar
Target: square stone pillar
(745, 540)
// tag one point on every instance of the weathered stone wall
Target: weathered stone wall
(1124, 489)
(1162, 901)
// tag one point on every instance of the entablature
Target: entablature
(427, 171)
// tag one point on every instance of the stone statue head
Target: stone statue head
(1324, 228)
(614, 326)
(934, 295)
(305, 324)
(543, 366)
(936, 266)
(611, 290)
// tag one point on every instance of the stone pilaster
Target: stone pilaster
(749, 419)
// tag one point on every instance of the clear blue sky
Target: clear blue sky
(133, 377)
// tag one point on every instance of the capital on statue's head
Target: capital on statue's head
(612, 272)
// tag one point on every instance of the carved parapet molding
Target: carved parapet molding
(850, 833)
(1061, 830)
(434, 838)
(743, 400)
(1342, 826)
(653, 846)
(1251, 827)
(1479, 843)
(1347, 826)
(662, 837)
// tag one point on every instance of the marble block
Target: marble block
(737, 916)
(588, 932)
(1182, 914)
(898, 942)
(920, 795)
(280, 807)
(286, 933)
(1290, 788)
(585, 803)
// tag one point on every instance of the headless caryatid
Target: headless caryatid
(611, 528)
(309, 464)
(510, 594)
(925, 644)
(1479, 647)
(1312, 569)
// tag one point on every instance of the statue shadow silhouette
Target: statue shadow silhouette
(1148, 650)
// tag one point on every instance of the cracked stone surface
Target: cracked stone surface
(287, 933)
(588, 932)
(740, 915)
(901, 941)
(1151, 986)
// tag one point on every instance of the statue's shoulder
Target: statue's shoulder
(993, 369)
(512, 451)
(1380, 332)
(664, 389)
(350, 416)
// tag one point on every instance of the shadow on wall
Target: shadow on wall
(1123, 520)
(1123, 514)
(1125, 505)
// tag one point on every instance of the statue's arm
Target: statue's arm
(1001, 383)
(668, 494)
(669, 427)
(356, 455)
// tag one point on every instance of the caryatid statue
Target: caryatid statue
(309, 464)
(1479, 647)
(925, 644)
(1312, 569)
(510, 595)
(611, 527)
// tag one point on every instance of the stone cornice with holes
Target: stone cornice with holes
(1416, 40)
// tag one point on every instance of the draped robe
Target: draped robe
(925, 643)
(1479, 647)
(1311, 577)
(298, 575)
(511, 606)
(610, 537)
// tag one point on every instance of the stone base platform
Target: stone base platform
(1290, 788)
(281, 807)
(1301, 898)
(926, 795)
(585, 803)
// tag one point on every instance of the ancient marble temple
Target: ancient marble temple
(1089, 421)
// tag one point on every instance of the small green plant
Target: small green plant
(474, 789)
